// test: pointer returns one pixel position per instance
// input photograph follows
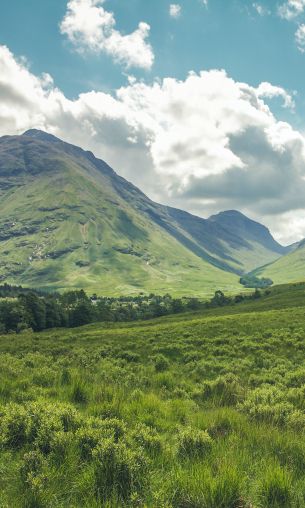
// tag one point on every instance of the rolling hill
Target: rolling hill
(289, 268)
(69, 221)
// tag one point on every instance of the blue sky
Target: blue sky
(110, 93)
(228, 34)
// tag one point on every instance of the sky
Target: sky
(200, 103)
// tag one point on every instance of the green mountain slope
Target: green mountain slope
(289, 268)
(68, 220)
(237, 242)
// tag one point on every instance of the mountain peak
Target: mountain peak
(234, 214)
(41, 135)
(249, 229)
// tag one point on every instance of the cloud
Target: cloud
(89, 27)
(300, 38)
(291, 9)
(268, 91)
(204, 143)
(260, 9)
(175, 10)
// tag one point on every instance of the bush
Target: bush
(161, 363)
(33, 465)
(147, 438)
(267, 403)
(119, 471)
(194, 443)
(36, 424)
(296, 420)
(87, 440)
(109, 427)
(13, 426)
(225, 390)
(60, 445)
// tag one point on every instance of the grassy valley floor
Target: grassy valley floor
(203, 410)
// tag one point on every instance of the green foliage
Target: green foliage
(87, 418)
(194, 443)
(225, 390)
(79, 392)
(119, 471)
(251, 281)
(161, 362)
(276, 488)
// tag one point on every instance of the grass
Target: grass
(288, 269)
(198, 410)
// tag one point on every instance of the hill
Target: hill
(68, 220)
(289, 268)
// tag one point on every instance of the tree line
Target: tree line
(22, 309)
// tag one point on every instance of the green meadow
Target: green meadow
(199, 410)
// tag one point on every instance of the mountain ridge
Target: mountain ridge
(69, 220)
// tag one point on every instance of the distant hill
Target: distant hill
(68, 220)
(289, 268)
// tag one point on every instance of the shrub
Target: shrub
(109, 427)
(36, 423)
(87, 440)
(60, 444)
(161, 362)
(194, 443)
(147, 438)
(13, 427)
(130, 356)
(267, 403)
(119, 471)
(296, 420)
(33, 465)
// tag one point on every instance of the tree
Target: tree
(82, 314)
(219, 299)
(35, 308)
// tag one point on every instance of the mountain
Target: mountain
(289, 268)
(68, 220)
(237, 242)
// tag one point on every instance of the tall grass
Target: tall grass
(205, 411)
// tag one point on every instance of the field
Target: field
(202, 410)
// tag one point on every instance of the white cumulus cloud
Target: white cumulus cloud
(204, 143)
(90, 27)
